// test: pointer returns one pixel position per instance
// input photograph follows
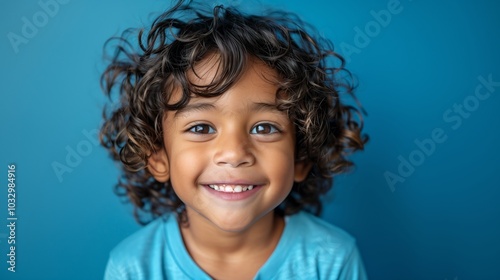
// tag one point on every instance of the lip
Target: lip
(232, 182)
(234, 196)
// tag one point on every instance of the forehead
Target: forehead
(212, 68)
(253, 75)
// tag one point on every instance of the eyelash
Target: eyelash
(272, 127)
(196, 128)
(192, 129)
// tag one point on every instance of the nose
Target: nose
(234, 149)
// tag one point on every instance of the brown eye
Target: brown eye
(202, 129)
(264, 128)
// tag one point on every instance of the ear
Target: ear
(302, 169)
(158, 166)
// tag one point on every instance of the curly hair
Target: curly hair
(312, 79)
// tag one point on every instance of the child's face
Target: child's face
(232, 143)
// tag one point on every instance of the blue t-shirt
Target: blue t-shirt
(309, 248)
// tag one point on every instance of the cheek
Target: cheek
(279, 165)
(186, 164)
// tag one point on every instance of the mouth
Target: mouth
(227, 188)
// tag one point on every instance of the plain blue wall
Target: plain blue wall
(439, 220)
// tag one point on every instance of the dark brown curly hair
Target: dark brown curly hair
(312, 80)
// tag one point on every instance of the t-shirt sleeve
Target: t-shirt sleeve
(112, 272)
(353, 268)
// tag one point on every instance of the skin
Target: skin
(237, 138)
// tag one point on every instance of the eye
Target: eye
(264, 128)
(202, 129)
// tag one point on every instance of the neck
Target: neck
(205, 240)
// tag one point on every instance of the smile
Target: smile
(231, 188)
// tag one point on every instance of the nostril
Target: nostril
(233, 158)
(233, 148)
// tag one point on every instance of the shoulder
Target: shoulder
(319, 232)
(145, 238)
(137, 255)
(317, 249)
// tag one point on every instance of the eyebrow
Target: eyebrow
(194, 107)
(258, 106)
(265, 107)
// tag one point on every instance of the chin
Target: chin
(237, 223)
(234, 226)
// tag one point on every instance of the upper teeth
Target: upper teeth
(231, 188)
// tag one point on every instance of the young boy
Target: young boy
(230, 128)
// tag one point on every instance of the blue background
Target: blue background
(441, 222)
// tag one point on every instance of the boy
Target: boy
(230, 128)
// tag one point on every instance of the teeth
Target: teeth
(231, 189)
